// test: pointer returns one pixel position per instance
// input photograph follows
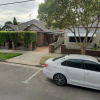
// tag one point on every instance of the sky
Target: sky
(20, 11)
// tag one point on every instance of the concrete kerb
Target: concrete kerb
(23, 66)
(39, 66)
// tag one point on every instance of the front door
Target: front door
(92, 74)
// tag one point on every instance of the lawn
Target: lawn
(44, 58)
(5, 56)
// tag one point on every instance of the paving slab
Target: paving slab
(31, 58)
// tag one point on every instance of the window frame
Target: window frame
(72, 39)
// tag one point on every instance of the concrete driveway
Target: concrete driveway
(19, 82)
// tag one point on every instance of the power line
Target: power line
(15, 2)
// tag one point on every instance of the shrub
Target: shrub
(24, 38)
(4, 37)
(14, 37)
(29, 37)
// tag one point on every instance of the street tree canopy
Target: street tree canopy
(70, 14)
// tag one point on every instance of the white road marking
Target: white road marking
(27, 81)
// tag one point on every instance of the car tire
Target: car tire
(60, 79)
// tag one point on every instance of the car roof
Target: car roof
(82, 57)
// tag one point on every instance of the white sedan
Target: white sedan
(80, 70)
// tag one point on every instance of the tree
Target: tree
(14, 21)
(8, 22)
(71, 14)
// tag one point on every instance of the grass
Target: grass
(44, 58)
(5, 56)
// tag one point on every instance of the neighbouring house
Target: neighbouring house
(44, 36)
(70, 40)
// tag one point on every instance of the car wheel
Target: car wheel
(60, 79)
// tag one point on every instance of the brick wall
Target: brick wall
(65, 50)
(40, 39)
(51, 48)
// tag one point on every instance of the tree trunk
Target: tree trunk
(83, 51)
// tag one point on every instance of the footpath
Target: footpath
(28, 57)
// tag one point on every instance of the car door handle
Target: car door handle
(86, 73)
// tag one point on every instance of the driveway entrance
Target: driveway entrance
(44, 49)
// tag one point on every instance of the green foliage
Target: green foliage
(5, 56)
(23, 38)
(67, 13)
(34, 45)
(29, 37)
(15, 37)
(0, 28)
(4, 37)
(14, 21)
(8, 22)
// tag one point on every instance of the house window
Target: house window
(72, 39)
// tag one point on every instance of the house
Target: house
(70, 40)
(44, 36)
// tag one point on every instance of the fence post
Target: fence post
(7, 45)
(13, 46)
(63, 49)
(30, 47)
(51, 48)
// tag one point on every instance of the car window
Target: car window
(63, 63)
(75, 63)
(89, 65)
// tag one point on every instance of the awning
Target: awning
(82, 32)
(81, 35)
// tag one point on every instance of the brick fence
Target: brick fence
(51, 48)
(65, 50)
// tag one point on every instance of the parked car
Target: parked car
(80, 70)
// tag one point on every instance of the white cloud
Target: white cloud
(20, 11)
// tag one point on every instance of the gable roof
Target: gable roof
(39, 24)
(15, 27)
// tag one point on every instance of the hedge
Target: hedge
(4, 37)
(23, 38)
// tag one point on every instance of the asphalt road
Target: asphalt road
(19, 83)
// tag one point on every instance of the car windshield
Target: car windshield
(57, 58)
